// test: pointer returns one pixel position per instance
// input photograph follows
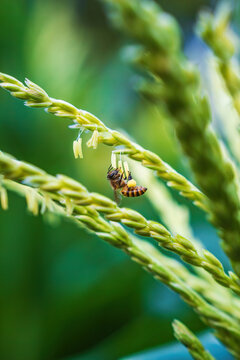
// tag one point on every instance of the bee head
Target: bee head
(112, 174)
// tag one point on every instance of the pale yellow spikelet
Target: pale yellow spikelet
(93, 142)
(95, 139)
(81, 119)
(4, 198)
(43, 207)
(69, 207)
(32, 203)
(114, 160)
(46, 203)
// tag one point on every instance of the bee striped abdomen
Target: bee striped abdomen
(133, 191)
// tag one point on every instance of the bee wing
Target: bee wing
(117, 197)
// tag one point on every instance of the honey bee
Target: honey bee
(126, 184)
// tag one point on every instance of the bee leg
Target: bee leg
(129, 176)
(120, 179)
(117, 197)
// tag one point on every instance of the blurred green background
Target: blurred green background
(65, 294)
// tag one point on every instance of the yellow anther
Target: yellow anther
(77, 148)
(120, 166)
(126, 168)
(3, 198)
(114, 160)
(80, 153)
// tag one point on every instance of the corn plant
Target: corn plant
(195, 273)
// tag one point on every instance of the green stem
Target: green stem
(75, 194)
(160, 53)
(35, 96)
(118, 237)
(188, 339)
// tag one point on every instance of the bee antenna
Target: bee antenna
(110, 168)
